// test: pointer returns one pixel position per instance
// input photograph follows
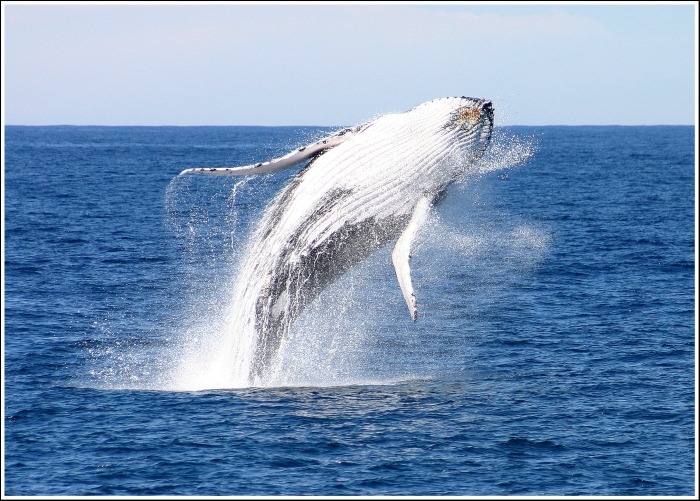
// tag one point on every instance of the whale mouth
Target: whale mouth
(487, 124)
(487, 111)
(487, 116)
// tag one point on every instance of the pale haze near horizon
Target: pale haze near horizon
(343, 64)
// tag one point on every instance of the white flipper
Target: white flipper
(402, 253)
(296, 157)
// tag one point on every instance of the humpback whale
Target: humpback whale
(363, 187)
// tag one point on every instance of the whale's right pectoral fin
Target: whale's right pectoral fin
(296, 157)
(402, 253)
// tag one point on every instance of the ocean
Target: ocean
(554, 353)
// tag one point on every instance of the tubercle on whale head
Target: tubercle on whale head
(473, 113)
(468, 112)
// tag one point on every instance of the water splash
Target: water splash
(506, 151)
(357, 331)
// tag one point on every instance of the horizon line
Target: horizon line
(332, 126)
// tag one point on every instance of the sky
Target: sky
(343, 64)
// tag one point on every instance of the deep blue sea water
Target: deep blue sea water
(554, 353)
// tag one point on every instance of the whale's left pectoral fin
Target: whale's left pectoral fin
(296, 157)
(402, 253)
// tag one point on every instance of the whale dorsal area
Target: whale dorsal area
(296, 157)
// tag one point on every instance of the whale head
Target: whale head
(460, 125)
(468, 120)
(471, 120)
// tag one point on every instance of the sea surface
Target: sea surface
(554, 352)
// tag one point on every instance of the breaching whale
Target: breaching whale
(363, 188)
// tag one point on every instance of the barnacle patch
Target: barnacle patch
(465, 115)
